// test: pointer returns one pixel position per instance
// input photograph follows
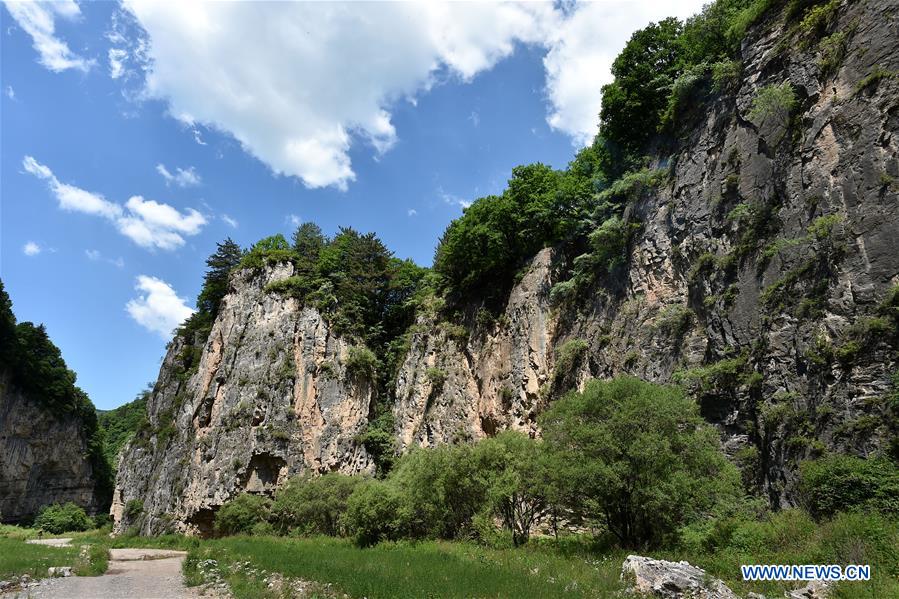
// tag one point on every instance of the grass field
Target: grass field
(426, 569)
(544, 568)
(17, 558)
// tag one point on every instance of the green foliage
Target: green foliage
(379, 440)
(374, 513)
(637, 456)
(241, 514)
(817, 20)
(436, 377)
(267, 252)
(133, 509)
(634, 102)
(725, 374)
(215, 286)
(837, 483)
(313, 505)
(773, 103)
(434, 569)
(873, 78)
(674, 320)
(119, 425)
(59, 518)
(519, 491)
(568, 359)
(726, 75)
(482, 250)
(362, 363)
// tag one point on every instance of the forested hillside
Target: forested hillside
(51, 445)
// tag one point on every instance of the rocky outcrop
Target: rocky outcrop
(45, 458)
(756, 279)
(453, 387)
(671, 580)
(272, 397)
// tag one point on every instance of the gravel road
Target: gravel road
(132, 574)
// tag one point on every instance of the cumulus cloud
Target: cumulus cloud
(298, 83)
(412, 212)
(158, 308)
(182, 177)
(293, 219)
(31, 249)
(10, 92)
(148, 223)
(38, 20)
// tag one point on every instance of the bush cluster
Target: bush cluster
(59, 518)
(641, 481)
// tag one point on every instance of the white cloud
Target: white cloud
(452, 199)
(231, 222)
(182, 177)
(117, 58)
(298, 83)
(96, 256)
(10, 92)
(412, 212)
(148, 223)
(37, 19)
(72, 198)
(293, 219)
(31, 249)
(158, 308)
(581, 51)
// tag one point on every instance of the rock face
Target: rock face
(757, 278)
(671, 580)
(272, 397)
(44, 458)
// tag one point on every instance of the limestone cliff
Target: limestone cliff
(272, 397)
(45, 458)
(760, 278)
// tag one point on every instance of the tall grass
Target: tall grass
(18, 557)
(426, 569)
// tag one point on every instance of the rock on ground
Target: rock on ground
(672, 580)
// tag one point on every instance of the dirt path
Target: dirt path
(132, 574)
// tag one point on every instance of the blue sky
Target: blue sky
(101, 109)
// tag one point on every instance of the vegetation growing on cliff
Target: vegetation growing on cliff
(119, 425)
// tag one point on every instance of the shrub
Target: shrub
(841, 483)
(241, 514)
(266, 252)
(313, 505)
(361, 362)
(774, 102)
(442, 490)
(133, 509)
(374, 513)
(568, 359)
(518, 491)
(60, 518)
(437, 377)
(726, 75)
(638, 457)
